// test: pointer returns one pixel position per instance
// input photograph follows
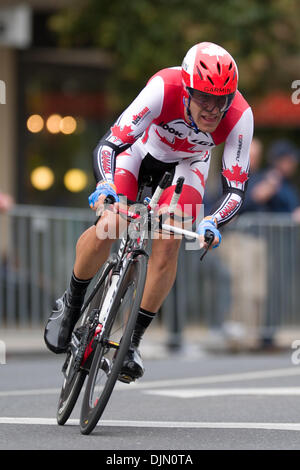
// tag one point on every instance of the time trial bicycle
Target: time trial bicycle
(99, 345)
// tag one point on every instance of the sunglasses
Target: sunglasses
(208, 102)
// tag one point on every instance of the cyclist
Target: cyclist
(174, 122)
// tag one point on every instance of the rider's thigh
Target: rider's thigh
(195, 173)
(127, 172)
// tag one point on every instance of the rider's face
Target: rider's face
(206, 120)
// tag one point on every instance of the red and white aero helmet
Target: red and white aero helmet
(210, 69)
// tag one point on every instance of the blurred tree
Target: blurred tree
(144, 36)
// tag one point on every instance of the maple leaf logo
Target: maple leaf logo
(200, 176)
(123, 134)
(235, 174)
(182, 145)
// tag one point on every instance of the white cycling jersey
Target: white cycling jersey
(155, 124)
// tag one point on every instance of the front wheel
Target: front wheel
(74, 374)
(114, 343)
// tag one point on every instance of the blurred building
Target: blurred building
(54, 109)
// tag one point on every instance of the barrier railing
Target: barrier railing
(37, 260)
(248, 287)
(251, 280)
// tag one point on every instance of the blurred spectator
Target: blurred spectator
(6, 202)
(271, 190)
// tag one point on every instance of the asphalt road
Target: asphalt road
(183, 402)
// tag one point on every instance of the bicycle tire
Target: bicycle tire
(73, 384)
(133, 281)
(69, 392)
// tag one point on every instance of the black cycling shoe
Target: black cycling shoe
(60, 325)
(132, 367)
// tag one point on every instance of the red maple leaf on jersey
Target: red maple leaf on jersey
(200, 175)
(235, 174)
(123, 134)
(182, 145)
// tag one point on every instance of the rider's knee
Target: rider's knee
(90, 239)
(165, 253)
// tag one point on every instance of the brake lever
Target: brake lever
(209, 238)
(109, 200)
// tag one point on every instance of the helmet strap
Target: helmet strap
(188, 111)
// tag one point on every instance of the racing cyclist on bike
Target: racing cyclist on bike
(175, 121)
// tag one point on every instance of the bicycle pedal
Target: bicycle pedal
(113, 344)
(126, 379)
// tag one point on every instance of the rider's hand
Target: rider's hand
(209, 223)
(103, 189)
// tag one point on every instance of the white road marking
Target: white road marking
(141, 385)
(160, 424)
(220, 378)
(39, 391)
(219, 392)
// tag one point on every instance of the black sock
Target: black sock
(144, 319)
(77, 290)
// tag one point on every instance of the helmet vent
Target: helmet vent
(219, 68)
(200, 74)
(210, 80)
(203, 65)
(230, 66)
(226, 81)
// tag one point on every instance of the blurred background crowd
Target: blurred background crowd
(67, 69)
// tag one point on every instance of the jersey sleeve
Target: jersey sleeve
(130, 125)
(235, 168)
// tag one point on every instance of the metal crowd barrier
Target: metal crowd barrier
(36, 260)
(250, 281)
(247, 288)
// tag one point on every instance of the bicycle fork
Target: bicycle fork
(103, 315)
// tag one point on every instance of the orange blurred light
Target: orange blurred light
(68, 125)
(53, 123)
(42, 178)
(35, 123)
(75, 180)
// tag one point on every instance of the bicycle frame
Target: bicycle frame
(132, 246)
(129, 248)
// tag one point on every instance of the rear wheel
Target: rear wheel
(114, 343)
(72, 384)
